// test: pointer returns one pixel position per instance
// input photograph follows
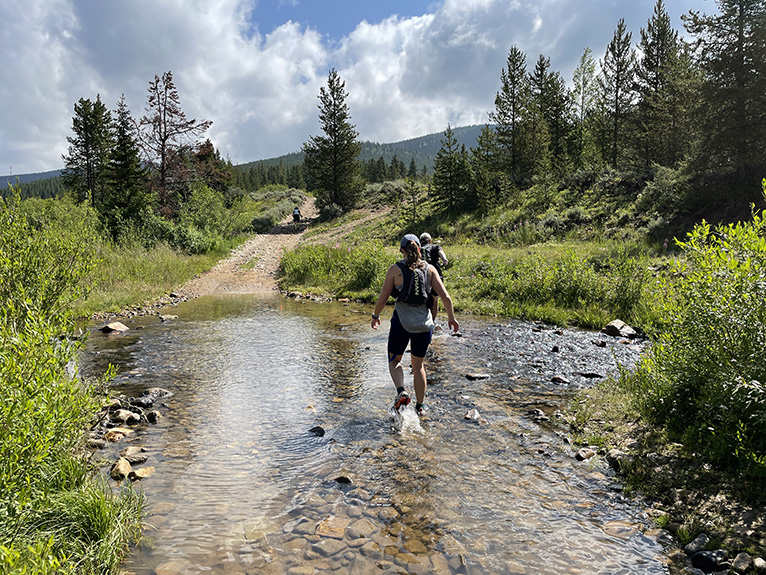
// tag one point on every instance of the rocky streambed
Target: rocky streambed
(275, 454)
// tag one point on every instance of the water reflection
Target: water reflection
(242, 486)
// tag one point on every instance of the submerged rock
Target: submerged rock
(153, 416)
(117, 433)
(537, 415)
(476, 376)
(142, 473)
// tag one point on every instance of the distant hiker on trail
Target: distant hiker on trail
(296, 215)
(434, 255)
(410, 281)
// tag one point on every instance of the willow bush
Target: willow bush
(45, 407)
(705, 378)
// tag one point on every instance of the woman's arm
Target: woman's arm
(438, 286)
(385, 292)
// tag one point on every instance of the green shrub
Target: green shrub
(44, 258)
(44, 406)
(705, 377)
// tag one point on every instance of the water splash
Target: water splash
(405, 419)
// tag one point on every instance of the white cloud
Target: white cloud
(405, 76)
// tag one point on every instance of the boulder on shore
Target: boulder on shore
(619, 328)
(120, 469)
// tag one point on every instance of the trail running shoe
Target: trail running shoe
(420, 410)
(402, 400)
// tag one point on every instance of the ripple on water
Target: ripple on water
(242, 485)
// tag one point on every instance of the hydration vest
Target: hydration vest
(414, 286)
(431, 255)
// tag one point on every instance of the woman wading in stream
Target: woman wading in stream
(410, 281)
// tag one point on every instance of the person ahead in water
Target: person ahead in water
(434, 255)
(410, 281)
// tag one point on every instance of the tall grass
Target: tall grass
(560, 287)
(126, 275)
(343, 270)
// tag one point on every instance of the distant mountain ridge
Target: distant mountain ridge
(26, 178)
(422, 149)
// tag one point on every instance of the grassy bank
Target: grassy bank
(133, 275)
(566, 283)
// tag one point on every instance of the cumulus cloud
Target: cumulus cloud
(405, 76)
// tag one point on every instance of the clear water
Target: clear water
(243, 486)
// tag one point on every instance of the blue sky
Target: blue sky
(254, 67)
(335, 19)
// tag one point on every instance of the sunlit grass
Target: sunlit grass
(129, 276)
(562, 283)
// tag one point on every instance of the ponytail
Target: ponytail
(412, 255)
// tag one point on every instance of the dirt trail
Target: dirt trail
(263, 251)
(228, 275)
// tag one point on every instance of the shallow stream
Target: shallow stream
(243, 486)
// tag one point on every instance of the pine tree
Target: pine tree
(166, 139)
(489, 181)
(616, 81)
(731, 47)
(452, 174)
(511, 104)
(381, 170)
(88, 155)
(412, 172)
(549, 119)
(585, 95)
(661, 77)
(127, 194)
(330, 164)
(211, 169)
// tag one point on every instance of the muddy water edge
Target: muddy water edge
(275, 453)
